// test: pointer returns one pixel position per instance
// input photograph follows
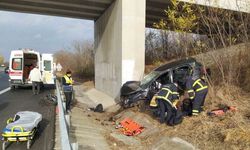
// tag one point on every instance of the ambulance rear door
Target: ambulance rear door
(47, 69)
(16, 68)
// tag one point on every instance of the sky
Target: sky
(41, 33)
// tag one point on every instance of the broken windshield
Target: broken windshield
(148, 78)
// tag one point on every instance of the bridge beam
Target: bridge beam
(120, 45)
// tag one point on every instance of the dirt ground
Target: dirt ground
(231, 131)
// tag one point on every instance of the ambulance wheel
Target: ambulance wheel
(4, 145)
(28, 144)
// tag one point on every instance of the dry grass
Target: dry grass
(232, 131)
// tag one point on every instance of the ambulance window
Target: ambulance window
(47, 65)
(17, 63)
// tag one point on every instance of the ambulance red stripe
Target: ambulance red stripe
(12, 73)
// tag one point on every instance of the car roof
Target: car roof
(175, 64)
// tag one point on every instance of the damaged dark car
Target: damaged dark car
(134, 92)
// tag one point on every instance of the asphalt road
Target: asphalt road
(4, 83)
(22, 99)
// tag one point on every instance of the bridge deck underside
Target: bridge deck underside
(82, 9)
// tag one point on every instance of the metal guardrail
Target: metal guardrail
(65, 144)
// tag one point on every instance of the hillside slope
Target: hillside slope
(229, 132)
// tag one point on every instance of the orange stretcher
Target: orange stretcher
(222, 111)
(130, 128)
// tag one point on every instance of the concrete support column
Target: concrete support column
(120, 45)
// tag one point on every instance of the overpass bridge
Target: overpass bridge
(119, 30)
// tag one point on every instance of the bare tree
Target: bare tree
(79, 59)
(1, 59)
(84, 57)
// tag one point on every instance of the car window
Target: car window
(17, 63)
(47, 65)
(180, 74)
(164, 78)
(148, 78)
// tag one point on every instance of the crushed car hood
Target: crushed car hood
(130, 87)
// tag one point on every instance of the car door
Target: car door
(163, 79)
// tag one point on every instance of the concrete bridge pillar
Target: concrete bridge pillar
(120, 45)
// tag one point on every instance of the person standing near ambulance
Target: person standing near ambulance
(35, 77)
(67, 83)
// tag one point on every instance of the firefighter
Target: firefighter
(166, 100)
(67, 83)
(197, 89)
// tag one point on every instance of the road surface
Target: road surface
(22, 99)
(4, 83)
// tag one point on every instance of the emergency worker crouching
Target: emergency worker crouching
(166, 100)
(67, 83)
(197, 89)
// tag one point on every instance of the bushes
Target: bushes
(79, 59)
(1, 59)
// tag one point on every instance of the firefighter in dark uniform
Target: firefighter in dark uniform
(197, 89)
(67, 83)
(166, 100)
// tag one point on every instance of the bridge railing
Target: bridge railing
(63, 122)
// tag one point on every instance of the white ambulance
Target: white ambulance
(22, 62)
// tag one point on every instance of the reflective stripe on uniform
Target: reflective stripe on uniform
(195, 111)
(191, 94)
(195, 114)
(164, 98)
(153, 102)
(68, 80)
(202, 87)
(197, 82)
(167, 95)
(169, 92)
(176, 93)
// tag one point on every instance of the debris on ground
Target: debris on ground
(230, 131)
(222, 110)
(98, 108)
